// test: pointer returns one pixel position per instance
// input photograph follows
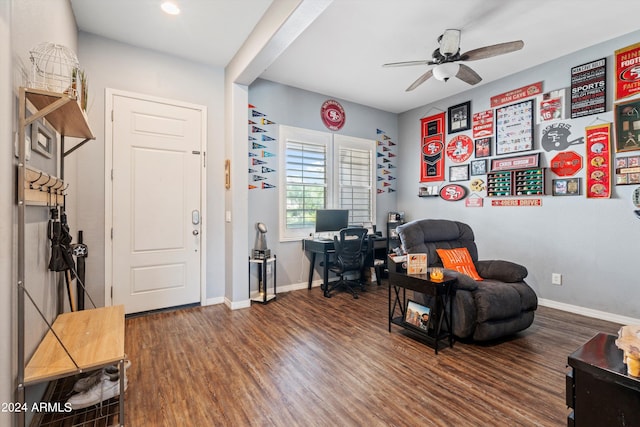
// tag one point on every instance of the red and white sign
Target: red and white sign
(628, 71)
(332, 114)
(482, 124)
(460, 148)
(567, 163)
(598, 161)
(453, 192)
(517, 94)
(432, 148)
(517, 202)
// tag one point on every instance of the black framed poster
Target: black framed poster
(514, 127)
(589, 88)
(459, 117)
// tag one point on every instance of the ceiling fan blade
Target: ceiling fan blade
(423, 78)
(493, 50)
(467, 75)
(408, 63)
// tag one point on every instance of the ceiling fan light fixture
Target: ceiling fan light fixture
(444, 72)
(170, 8)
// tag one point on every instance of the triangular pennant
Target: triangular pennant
(258, 177)
(379, 178)
(267, 185)
(255, 113)
(378, 131)
(391, 155)
(386, 149)
(385, 137)
(380, 154)
(380, 191)
(385, 160)
(391, 177)
(391, 143)
(267, 170)
(257, 146)
(390, 190)
(267, 138)
(385, 172)
(267, 154)
(251, 187)
(390, 166)
(252, 154)
(257, 162)
(380, 142)
(252, 170)
(379, 166)
(386, 184)
(264, 121)
(251, 106)
(256, 129)
(251, 138)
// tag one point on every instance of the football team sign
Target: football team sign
(332, 114)
(628, 71)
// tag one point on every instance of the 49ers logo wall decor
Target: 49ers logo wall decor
(332, 114)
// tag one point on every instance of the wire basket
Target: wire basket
(54, 68)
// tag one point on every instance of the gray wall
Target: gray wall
(593, 243)
(289, 106)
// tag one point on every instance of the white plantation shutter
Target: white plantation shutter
(306, 183)
(355, 184)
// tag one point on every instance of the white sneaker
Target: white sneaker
(104, 390)
(84, 384)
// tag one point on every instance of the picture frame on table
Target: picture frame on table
(459, 117)
(43, 139)
(627, 125)
(478, 167)
(566, 187)
(417, 316)
(514, 127)
(459, 173)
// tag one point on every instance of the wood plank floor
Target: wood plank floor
(305, 360)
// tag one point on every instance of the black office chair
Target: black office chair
(349, 258)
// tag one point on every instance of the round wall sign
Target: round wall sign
(460, 148)
(332, 114)
(453, 192)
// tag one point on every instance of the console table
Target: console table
(442, 295)
(599, 390)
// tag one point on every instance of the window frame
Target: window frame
(333, 143)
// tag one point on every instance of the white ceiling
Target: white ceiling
(341, 53)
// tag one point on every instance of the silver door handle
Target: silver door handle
(196, 232)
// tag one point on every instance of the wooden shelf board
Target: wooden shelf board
(93, 337)
(68, 120)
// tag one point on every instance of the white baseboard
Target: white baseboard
(603, 315)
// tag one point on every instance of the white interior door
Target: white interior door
(156, 204)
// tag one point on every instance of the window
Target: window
(320, 170)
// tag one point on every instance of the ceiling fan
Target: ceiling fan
(447, 56)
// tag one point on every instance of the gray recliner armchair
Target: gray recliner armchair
(499, 305)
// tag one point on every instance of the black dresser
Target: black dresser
(599, 390)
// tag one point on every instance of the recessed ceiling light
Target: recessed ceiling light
(170, 7)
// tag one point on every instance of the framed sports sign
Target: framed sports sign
(432, 148)
(627, 77)
(460, 117)
(589, 88)
(598, 175)
(514, 127)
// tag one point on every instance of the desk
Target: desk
(326, 249)
(441, 291)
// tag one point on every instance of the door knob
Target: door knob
(195, 232)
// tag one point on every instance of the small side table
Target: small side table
(266, 292)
